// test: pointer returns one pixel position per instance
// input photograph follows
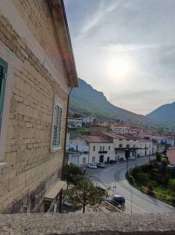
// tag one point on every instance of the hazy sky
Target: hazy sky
(126, 48)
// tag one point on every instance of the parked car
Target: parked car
(121, 159)
(92, 166)
(117, 200)
(112, 161)
(101, 165)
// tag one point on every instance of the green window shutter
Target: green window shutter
(57, 126)
(3, 73)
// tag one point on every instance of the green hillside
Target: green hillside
(87, 100)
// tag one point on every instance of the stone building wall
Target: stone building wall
(35, 76)
(37, 17)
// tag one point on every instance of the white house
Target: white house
(75, 123)
(89, 120)
(108, 147)
(100, 149)
(78, 151)
(131, 147)
(126, 130)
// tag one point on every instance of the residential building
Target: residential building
(162, 139)
(37, 72)
(127, 130)
(88, 121)
(78, 151)
(74, 123)
(171, 155)
(102, 123)
(100, 148)
(107, 147)
(130, 146)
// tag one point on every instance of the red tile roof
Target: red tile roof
(99, 139)
(171, 155)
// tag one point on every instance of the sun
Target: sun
(120, 68)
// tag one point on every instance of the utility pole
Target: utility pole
(127, 159)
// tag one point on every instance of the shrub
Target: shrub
(158, 157)
(142, 178)
(150, 190)
(72, 174)
(171, 184)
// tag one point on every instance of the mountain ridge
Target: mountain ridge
(164, 115)
(86, 99)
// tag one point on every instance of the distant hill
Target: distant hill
(164, 115)
(87, 100)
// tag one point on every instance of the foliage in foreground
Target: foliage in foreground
(85, 193)
(72, 174)
(81, 191)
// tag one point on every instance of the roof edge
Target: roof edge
(58, 13)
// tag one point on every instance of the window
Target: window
(56, 127)
(3, 72)
(84, 160)
(94, 148)
(109, 147)
(120, 146)
(93, 159)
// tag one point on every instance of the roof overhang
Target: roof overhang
(63, 36)
(54, 190)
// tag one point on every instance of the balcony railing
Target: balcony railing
(103, 152)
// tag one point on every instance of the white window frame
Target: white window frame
(6, 105)
(57, 105)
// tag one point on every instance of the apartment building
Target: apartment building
(78, 151)
(171, 155)
(109, 147)
(100, 148)
(37, 72)
(128, 130)
(131, 146)
(74, 123)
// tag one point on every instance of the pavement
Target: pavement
(113, 179)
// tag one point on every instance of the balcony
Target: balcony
(103, 152)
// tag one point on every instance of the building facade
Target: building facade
(37, 72)
(100, 149)
(126, 130)
(171, 156)
(74, 123)
(78, 152)
(109, 147)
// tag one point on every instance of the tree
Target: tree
(171, 184)
(158, 157)
(72, 174)
(85, 193)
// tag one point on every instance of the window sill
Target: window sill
(3, 165)
(55, 149)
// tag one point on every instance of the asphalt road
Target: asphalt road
(113, 179)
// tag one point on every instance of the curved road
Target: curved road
(113, 179)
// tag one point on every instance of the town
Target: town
(87, 130)
(110, 142)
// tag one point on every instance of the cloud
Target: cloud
(137, 31)
(95, 20)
